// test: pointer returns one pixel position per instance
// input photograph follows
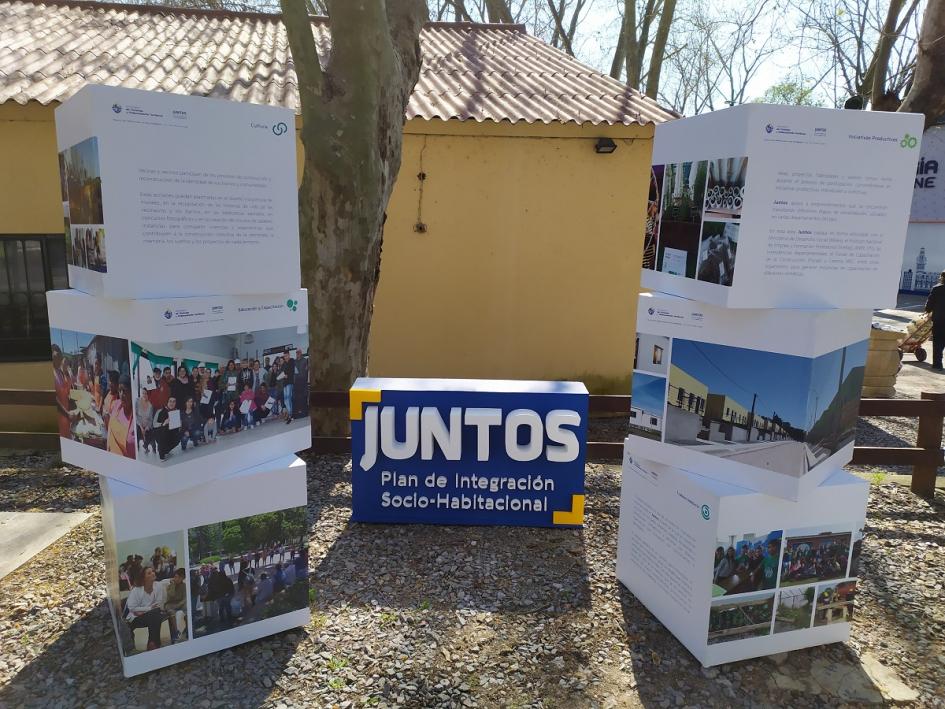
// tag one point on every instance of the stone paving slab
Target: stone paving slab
(25, 534)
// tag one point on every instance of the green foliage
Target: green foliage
(877, 478)
(239, 536)
(425, 605)
(790, 93)
(337, 663)
(336, 683)
(233, 539)
(809, 594)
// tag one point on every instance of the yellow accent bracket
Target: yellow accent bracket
(574, 516)
(359, 397)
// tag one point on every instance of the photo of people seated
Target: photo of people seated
(835, 603)
(150, 605)
(815, 555)
(746, 563)
(198, 396)
(248, 569)
(93, 391)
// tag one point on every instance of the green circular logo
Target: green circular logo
(292, 305)
(909, 141)
(705, 512)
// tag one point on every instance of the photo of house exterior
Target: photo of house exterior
(687, 400)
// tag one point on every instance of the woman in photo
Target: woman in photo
(191, 425)
(261, 398)
(230, 419)
(208, 398)
(121, 431)
(248, 410)
(166, 432)
(144, 607)
(725, 568)
(230, 383)
(182, 388)
(144, 417)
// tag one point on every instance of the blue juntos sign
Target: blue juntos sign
(468, 451)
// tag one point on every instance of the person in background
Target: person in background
(249, 417)
(144, 417)
(208, 409)
(300, 405)
(121, 429)
(175, 594)
(161, 391)
(167, 437)
(65, 412)
(246, 375)
(111, 397)
(230, 421)
(936, 306)
(99, 384)
(182, 388)
(261, 397)
(191, 425)
(288, 388)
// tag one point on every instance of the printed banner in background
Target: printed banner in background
(924, 256)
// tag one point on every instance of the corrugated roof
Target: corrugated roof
(49, 49)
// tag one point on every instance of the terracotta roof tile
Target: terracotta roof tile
(48, 50)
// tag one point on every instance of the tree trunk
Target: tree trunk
(616, 65)
(659, 48)
(927, 94)
(887, 37)
(633, 53)
(498, 11)
(353, 113)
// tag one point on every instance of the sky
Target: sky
(649, 392)
(825, 376)
(87, 154)
(739, 373)
(69, 341)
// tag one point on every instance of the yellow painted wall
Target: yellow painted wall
(529, 267)
(530, 264)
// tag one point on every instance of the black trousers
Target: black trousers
(938, 342)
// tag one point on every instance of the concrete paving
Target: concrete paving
(25, 534)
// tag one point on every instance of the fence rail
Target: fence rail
(925, 457)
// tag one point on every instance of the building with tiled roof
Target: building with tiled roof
(518, 254)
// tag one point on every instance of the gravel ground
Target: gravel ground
(426, 616)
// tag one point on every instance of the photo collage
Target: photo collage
(693, 216)
(178, 586)
(162, 402)
(745, 405)
(778, 582)
(80, 178)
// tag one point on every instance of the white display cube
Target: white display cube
(106, 350)
(159, 189)
(207, 568)
(762, 206)
(766, 399)
(736, 574)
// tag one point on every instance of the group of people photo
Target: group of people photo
(745, 564)
(180, 407)
(248, 569)
(819, 556)
(93, 390)
(151, 606)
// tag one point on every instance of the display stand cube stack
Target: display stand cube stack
(180, 364)
(772, 233)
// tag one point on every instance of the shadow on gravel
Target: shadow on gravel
(42, 483)
(82, 667)
(498, 569)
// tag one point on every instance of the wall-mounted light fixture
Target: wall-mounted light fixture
(605, 146)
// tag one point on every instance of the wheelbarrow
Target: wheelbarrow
(916, 334)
